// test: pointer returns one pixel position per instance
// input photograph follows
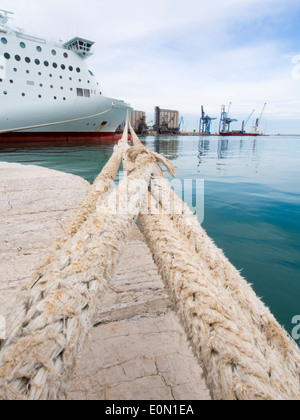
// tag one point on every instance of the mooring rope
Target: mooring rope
(95, 195)
(244, 352)
(39, 361)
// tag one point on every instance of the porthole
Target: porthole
(54, 65)
(64, 99)
(62, 87)
(27, 59)
(71, 68)
(53, 52)
(55, 97)
(41, 85)
(4, 41)
(27, 71)
(70, 78)
(39, 73)
(1, 80)
(63, 67)
(51, 86)
(66, 55)
(11, 81)
(22, 45)
(39, 49)
(15, 70)
(37, 62)
(46, 63)
(17, 58)
(23, 94)
(50, 75)
(78, 70)
(60, 77)
(7, 56)
(5, 93)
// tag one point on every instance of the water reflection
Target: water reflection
(167, 146)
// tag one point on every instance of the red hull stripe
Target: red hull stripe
(239, 134)
(58, 138)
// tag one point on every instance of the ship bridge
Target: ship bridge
(80, 45)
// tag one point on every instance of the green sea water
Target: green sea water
(252, 201)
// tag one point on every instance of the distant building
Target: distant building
(138, 122)
(166, 121)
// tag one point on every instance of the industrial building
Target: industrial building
(138, 122)
(166, 121)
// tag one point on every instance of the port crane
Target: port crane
(246, 122)
(225, 121)
(258, 121)
(205, 122)
(181, 124)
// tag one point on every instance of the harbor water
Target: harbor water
(252, 201)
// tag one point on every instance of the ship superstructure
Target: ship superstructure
(46, 87)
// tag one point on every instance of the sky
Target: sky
(184, 54)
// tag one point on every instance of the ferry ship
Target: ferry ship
(47, 92)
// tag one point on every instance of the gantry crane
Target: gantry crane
(205, 122)
(225, 121)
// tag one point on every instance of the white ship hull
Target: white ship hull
(46, 88)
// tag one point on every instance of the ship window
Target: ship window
(17, 58)
(54, 65)
(60, 77)
(4, 41)
(7, 56)
(53, 52)
(41, 85)
(50, 75)
(87, 93)
(62, 87)
(79, 92)
(23, 94)
(39, 49)
(27, 71)
(66, 55)
(71, 68)
(27, 59)
(1, 80)
(5, 93)
(46, 63)
(15, 69)
(63, 67)
(39, 73)
(22, 45)
(51, 86)
(37, 62)
(11, 81)
(64, 99)
(55, 97)
(40, 96)
(78, 70)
